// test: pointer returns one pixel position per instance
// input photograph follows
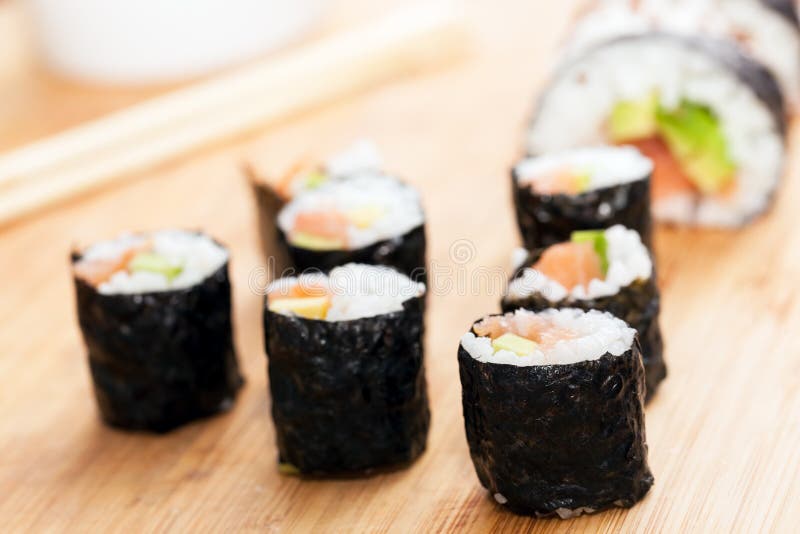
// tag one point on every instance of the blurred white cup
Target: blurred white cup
(155, 41)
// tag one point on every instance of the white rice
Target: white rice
(361, 156)
(596, 334)
(356, 290)
(197, 254)
(400, 206)
(628, 261)
(759, 30)
(579, 101)
(605, 166)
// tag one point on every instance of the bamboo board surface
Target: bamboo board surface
(724, 430)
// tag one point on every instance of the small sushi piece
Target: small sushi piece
(346, 370)
(371, 218)
(272, 194)
(155, 313)
(583, 188)
(553, 411)
(718, 159)
(608, 270)
(765, 30)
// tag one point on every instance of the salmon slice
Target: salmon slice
(330, 224)
(532, 327)
(563, 181)
(284, 185)
(668, 176)
(570, 264)
(95, 272)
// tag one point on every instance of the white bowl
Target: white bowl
(155, 41)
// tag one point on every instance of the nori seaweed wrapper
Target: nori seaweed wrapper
(786, 8)
(545, 220)
(557, 438)
(348, 397)
(160, 359)
(638, 304)
(405, 252)
(268, 204)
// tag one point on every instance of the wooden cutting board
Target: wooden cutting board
(724, 430)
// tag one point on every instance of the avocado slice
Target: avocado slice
(597, 238)
(315, 242)
(308, 307)
(696, 140)
(286, 468)
(633, 119)
(518, 345)
(314, 179)
(154, 263)
(365, 216)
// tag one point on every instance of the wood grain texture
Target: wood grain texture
(724, 430)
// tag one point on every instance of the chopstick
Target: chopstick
(111, 148)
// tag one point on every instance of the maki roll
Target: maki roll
(578, 189)
(553, 411)
(272, 194)
(155, 313)
(766, 30)
(345, 362)
(608, 270)
(711, 119)
(370, 218)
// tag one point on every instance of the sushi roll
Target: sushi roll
(553, 411)
(766, 30)
(711, 119)
(346, 374)
(155, 313)
(578, 189)
(272, 194)
(608, 270)
(371, 218)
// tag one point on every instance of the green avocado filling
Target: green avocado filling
(285, 468)
(517, 344)
(691, 132)
(314, 179)
(154, 263)
(597, 238)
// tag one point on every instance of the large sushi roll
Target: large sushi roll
(370, 218)
(608, 270)
(578, 189)
(272, 193)
(346, 370)
(155, 312)
(711, 119)
(766, 30)
(553, 411)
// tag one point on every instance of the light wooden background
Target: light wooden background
(724, 430)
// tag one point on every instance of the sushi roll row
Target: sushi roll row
(343, 329)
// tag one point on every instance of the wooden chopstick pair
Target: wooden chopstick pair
(119, 145)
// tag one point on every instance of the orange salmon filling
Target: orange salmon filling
(571, 264)
(95, 272)
(540, 331)
(563, 181)
(327, 224)
(668, 176)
